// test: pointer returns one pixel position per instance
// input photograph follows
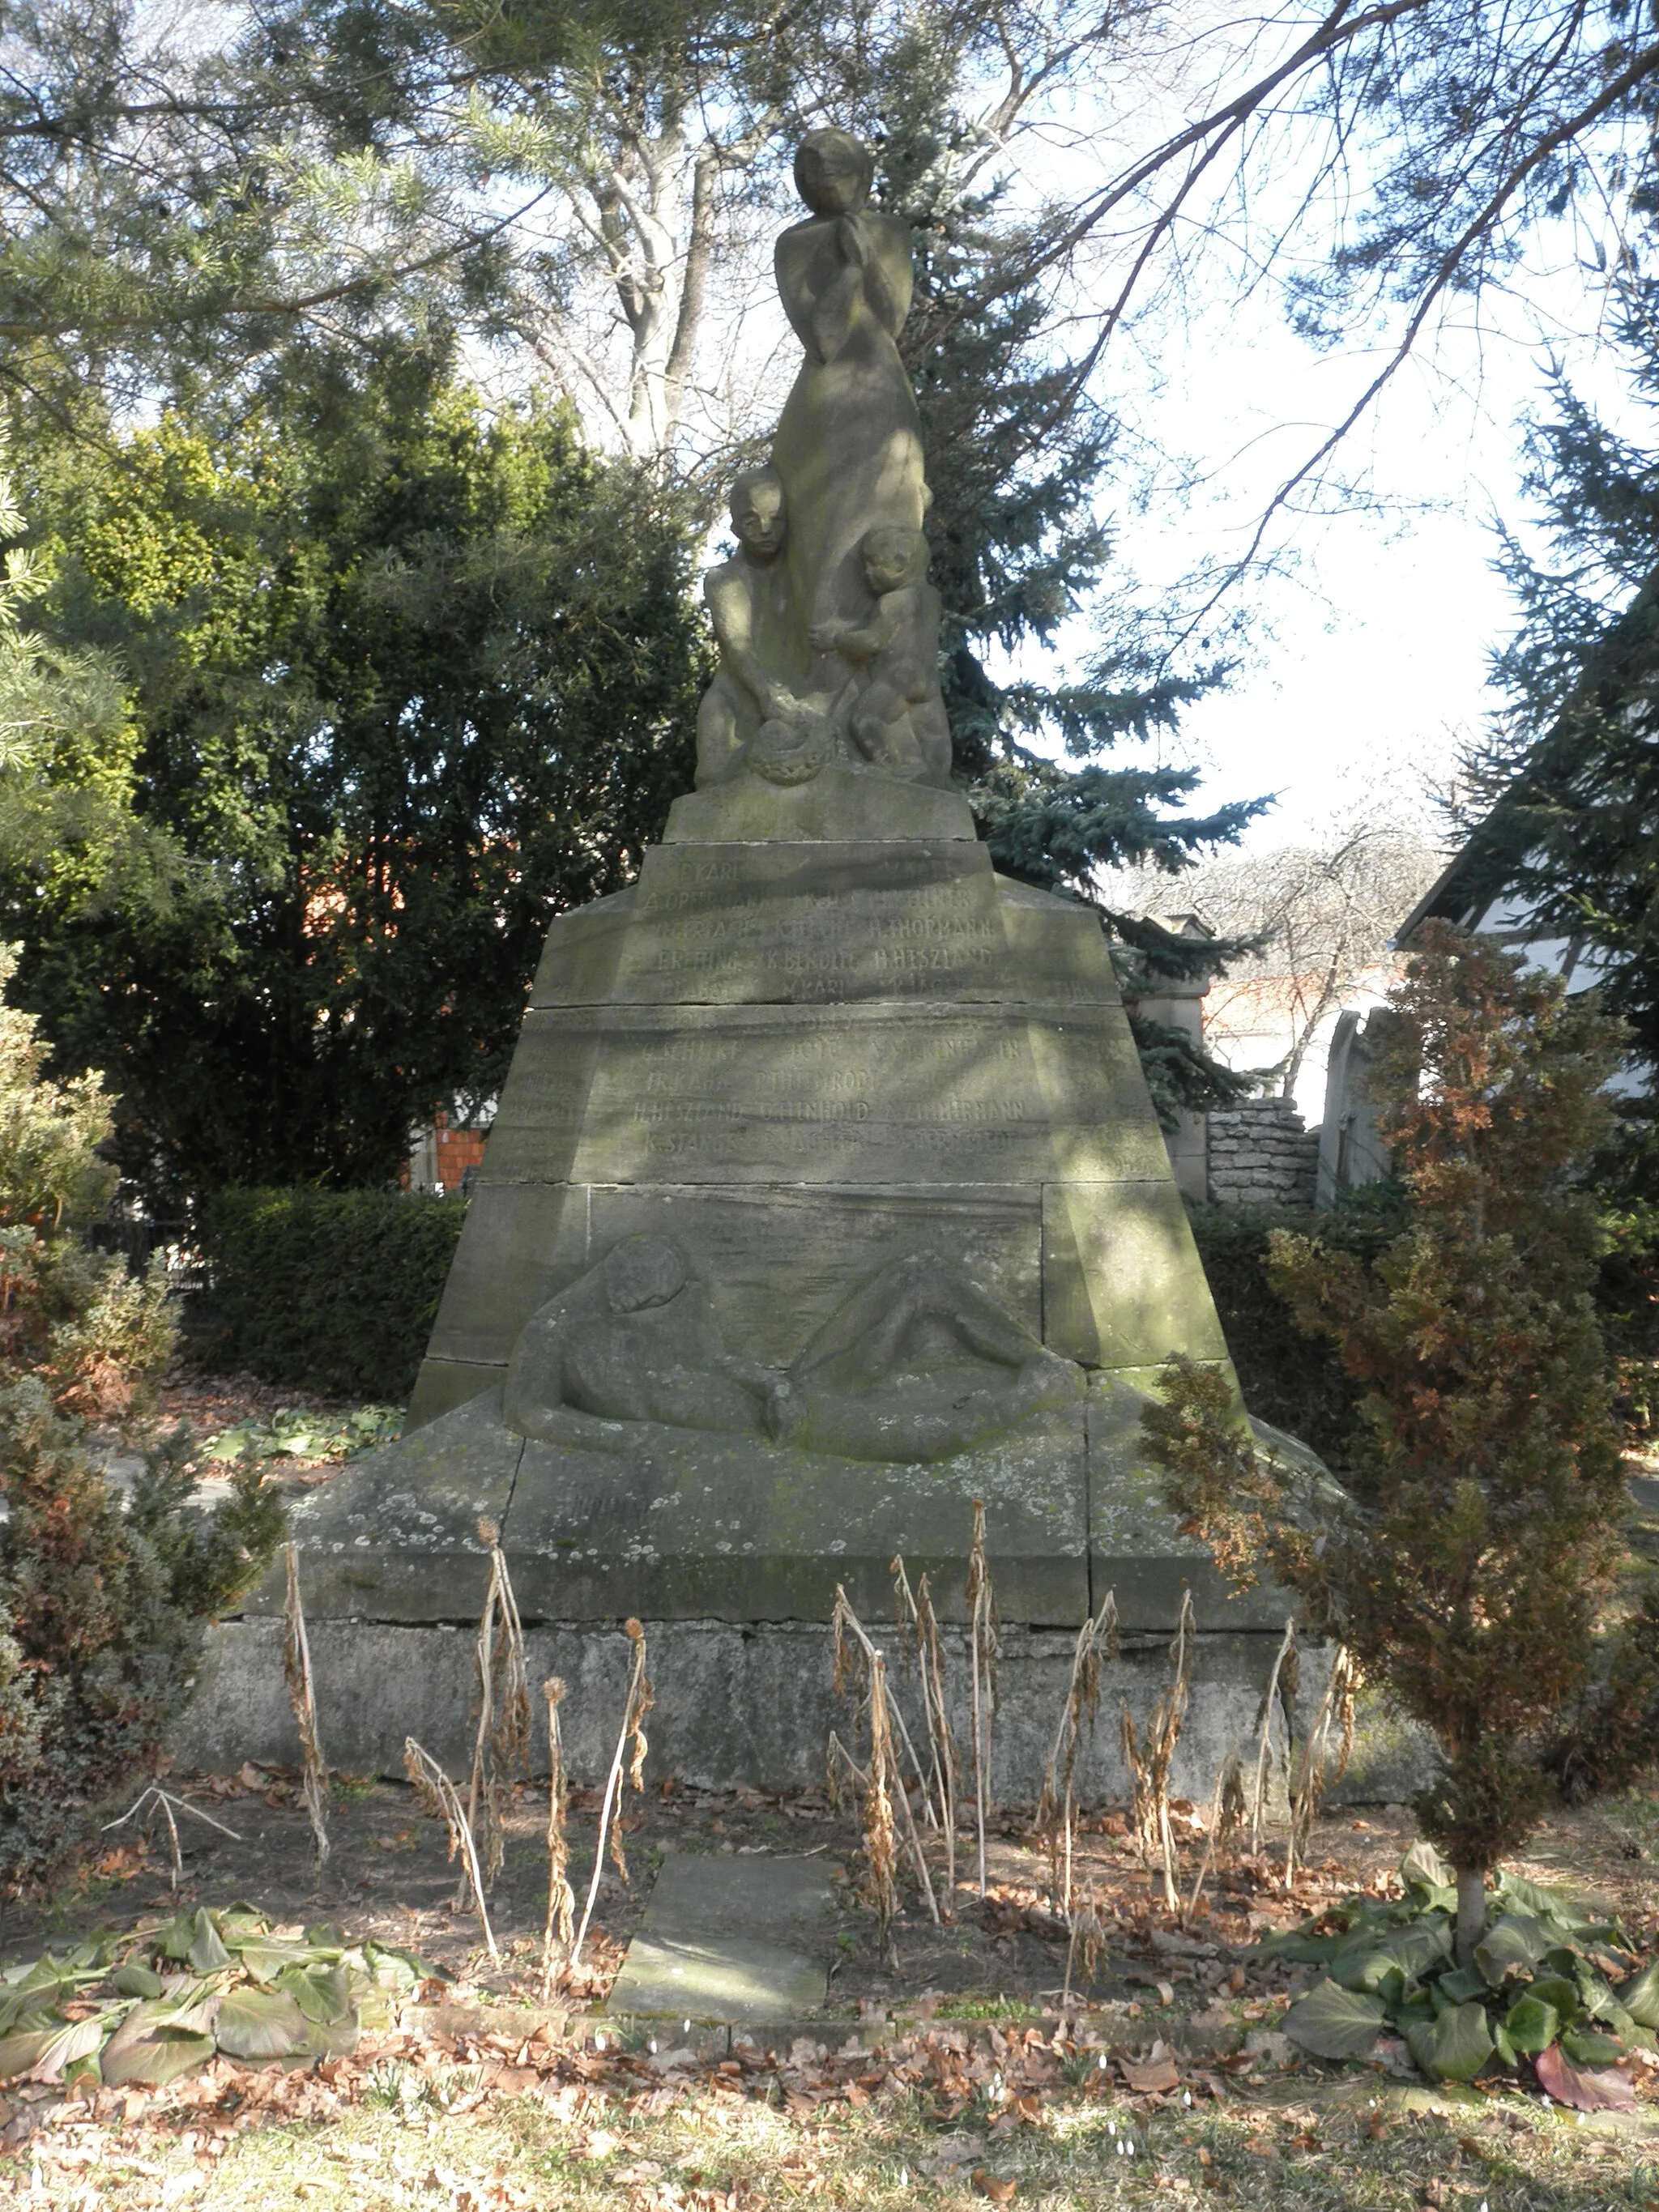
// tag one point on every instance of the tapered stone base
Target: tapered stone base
(802, 1061)
(806, 1046)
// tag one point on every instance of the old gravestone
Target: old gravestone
(825, 1196)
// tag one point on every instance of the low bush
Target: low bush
(331, 1290)
(103, 1600)
(1296, 1381)
(1553, 1993)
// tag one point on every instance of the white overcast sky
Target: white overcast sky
(1370, 662)
(1370, 665)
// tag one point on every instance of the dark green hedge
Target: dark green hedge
(1295, 1382)
(334, 1291)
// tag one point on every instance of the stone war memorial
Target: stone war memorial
(825, 1198)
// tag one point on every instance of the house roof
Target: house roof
(1486, 865)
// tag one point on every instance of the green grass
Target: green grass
(419, 2135)
(990, 2006)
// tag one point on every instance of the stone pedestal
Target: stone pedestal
(802, 1058)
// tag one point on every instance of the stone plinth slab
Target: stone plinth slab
(686, 1526)
(679, 1525)
(765, 924)
(800, 924)
(728, 1939)
(838, 805)
(860, 1093)
(683, 1525)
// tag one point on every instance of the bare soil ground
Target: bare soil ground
(388, 1876)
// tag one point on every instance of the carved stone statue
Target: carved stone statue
(827, 626)
(751, 606)
(918, 1364)
(895, 716)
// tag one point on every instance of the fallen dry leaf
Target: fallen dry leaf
(1585, 2089)
(1151, 2076)
(993, 2186)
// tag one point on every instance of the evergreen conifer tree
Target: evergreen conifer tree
(1469, 1566)
(1562, 809)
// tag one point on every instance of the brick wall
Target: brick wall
(1260, 1155)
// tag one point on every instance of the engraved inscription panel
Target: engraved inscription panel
(859, 1095)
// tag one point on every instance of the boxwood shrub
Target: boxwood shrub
(331, 1290)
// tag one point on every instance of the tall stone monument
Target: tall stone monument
(825, 1195)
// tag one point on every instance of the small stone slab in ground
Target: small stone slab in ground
(729, 1939)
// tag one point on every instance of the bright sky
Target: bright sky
(1371, 661)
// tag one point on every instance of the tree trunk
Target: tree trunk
(1471, 1911)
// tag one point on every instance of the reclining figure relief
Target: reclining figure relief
(917, 1364)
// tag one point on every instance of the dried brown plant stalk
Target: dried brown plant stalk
(1281, 1686)
(874, 1800)
(500, 1741)
(919, 1623)
(1149, 1762)
(1087, 1944)
(1314, 1770)
(838, 1761)
(880, 1843)
(640, 1700)
(441, 1796)
(1056, 1812)
(983, 1651)
(302, 1695)
(1228, 1807)
(561, 1898)
(861, 1672)
(848, 1677)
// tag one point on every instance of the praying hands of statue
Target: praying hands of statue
(861, 286)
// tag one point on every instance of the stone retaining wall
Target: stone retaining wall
(1260, 1155)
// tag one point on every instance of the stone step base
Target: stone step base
(742, 1703)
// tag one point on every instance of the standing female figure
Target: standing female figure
(848, 445)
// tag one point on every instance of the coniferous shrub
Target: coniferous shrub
(103, 1598)
(1471, 1569)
